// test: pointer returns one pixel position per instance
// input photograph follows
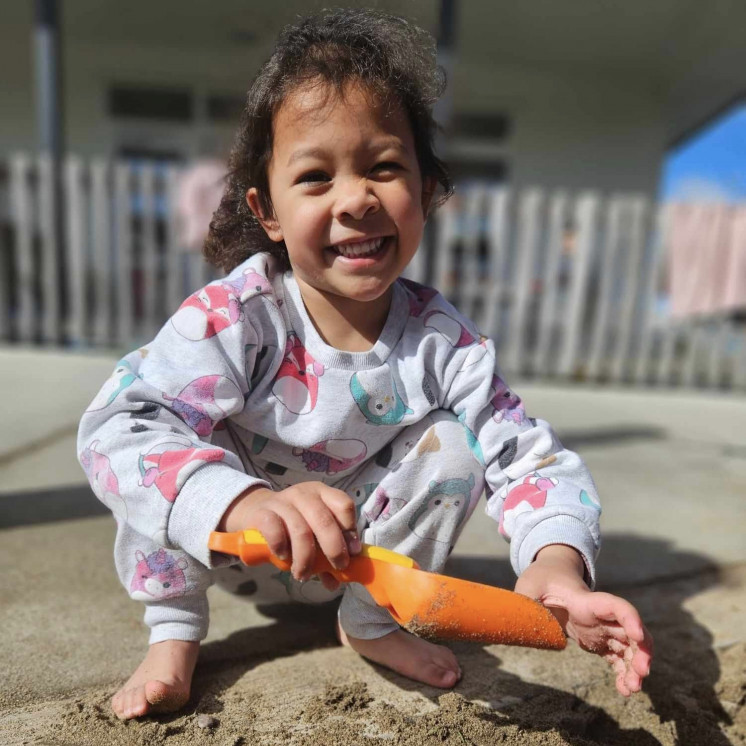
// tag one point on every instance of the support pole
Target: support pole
(48, 77)
(446, 41)
(443, 114)
(48, 69)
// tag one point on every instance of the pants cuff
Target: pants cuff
(360, 617)
(178, 619)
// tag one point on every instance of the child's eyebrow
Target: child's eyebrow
(389, 143)
(305, 153)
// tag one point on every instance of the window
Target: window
(133, 102)
(224, 108)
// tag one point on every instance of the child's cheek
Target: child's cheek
(311, 225)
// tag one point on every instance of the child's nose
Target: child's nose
(356, 199)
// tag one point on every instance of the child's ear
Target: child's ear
(429, 185)
(270, 224)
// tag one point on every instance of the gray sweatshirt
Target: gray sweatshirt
(238, 389)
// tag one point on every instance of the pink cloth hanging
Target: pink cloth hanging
(707, 259)
(734, 295)
(199, 193)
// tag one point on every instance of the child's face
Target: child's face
(347, 193)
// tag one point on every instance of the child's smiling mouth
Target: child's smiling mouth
(361, 249)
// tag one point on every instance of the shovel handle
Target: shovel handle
(249, 546)
(252, 549)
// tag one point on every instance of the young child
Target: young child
(315, 395)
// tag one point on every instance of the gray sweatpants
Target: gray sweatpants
(414, 497)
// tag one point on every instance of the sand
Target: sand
(288, 682)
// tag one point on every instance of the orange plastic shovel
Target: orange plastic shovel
(426, 604)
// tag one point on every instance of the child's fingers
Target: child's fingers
(646, 644)
(615, 631)
(302, 542)
(624, 682)
(617, 646)
(353, 541)
(343, 508)
(621, 685)
(641, 661)
(629, 663)
(341, 505)
(323, 524)
(614, 609)
(272, 528)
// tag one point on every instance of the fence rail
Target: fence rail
(571, 286)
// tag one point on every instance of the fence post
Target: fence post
(149, 270)
(470, 285)
(653, 276)
(498, 236)
(50, 269)
(630, 288)
(123, 245)
(550, 283)
(739, 362)
(608, 250)
(21, 210)
(76, 249)
(443, 255)
(175, 290)
(586, 215)
(721, 336)
(527, 240)
(102, 250)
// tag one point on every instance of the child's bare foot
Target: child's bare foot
(408, 655)
(161, 683)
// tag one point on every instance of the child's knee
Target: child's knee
(424, 496)
(438, 439)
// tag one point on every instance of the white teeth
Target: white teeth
(359, 249)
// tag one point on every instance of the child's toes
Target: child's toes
(441, 676)
(130, 703)
(116, 704)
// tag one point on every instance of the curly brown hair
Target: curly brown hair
(394, 59)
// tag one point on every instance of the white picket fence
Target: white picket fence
(571, 286)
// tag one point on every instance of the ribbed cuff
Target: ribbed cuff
(361, 617)
(559, 529)
(201, 504)
(185, 618)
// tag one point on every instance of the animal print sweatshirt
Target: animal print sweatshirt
(238, 389)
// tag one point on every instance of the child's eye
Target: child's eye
(386, 166)
(313, 177)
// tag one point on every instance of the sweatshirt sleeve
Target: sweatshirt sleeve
(539, 492)
(153, 443)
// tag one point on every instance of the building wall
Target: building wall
(572, 129)
(17, 128)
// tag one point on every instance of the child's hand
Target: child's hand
(297, 519)
(600, 623)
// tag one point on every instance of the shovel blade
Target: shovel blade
(445, 608)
